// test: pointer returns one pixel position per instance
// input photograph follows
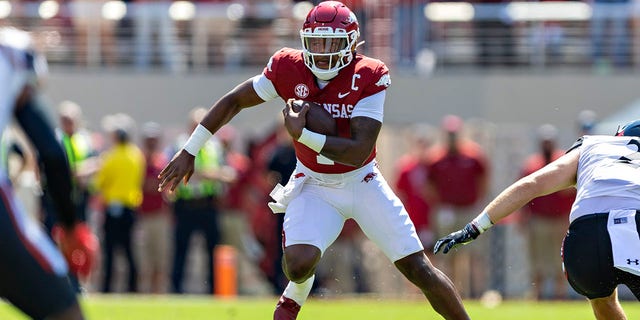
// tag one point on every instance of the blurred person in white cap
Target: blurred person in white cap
(81, 153)
(82, 158)
(154, 218)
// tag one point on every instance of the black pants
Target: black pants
(191, 216)
(588, 259)
(118, 228)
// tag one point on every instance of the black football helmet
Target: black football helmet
(631, 129)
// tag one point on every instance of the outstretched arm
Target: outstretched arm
(180, 168)
(555, 176)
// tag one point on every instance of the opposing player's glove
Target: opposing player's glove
(79, 247)
(455, 239)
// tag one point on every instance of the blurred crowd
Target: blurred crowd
(176, 242)
(178, 36)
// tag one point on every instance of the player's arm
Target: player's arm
(557, 175)
(365, 123)
(242, 96)
(355, 150)
(180, 168)
(58, 175)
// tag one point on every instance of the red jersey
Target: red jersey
(554, 205)
(292, 79)
(458, 177)
(412, 180)
(234, 198)
(152, 200)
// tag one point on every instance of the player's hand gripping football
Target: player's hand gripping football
(456, 239)
(79, 247)
(180, 168)
(295, 121)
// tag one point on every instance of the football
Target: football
(318, 119)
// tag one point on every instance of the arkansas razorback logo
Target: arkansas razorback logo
(369, 177)
(299, 175)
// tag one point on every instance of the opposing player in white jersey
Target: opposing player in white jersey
(336, 177)
(602, 246)
(33, 273)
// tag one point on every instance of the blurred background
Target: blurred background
(508, 70)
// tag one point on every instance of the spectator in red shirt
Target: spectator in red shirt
(458, 177)
(411, 183)
(546, 219)
(154, 220)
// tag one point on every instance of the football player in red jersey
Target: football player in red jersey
(336, 177)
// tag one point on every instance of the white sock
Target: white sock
(299, 292)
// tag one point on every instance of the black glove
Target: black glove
(458, 238)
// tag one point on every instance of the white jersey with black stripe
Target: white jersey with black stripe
(608, 176)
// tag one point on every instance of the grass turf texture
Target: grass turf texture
(141, 307)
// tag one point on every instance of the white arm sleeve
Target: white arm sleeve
(264, 88)
(371, 106)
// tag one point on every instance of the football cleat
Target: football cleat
(286, 309)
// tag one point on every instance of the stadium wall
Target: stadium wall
(495, 97)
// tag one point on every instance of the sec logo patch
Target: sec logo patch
(302, 91)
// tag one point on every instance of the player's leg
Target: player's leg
(299, 261)
(304, 241)
(34, 278)
(183, 228)
(632, 282)
(109, 230)
(211, 230)
(127, 223)
(434, 284)
(385, 221)
(608, 308)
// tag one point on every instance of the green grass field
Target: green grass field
(192, 308)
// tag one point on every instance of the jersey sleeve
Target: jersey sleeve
(270, 71)
(380, 79)
(264, 88)
(371, 106)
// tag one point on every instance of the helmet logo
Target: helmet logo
(352, 18)
(302, 91)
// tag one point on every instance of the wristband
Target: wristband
(482, 222)
(313, 140)
(196, 141)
